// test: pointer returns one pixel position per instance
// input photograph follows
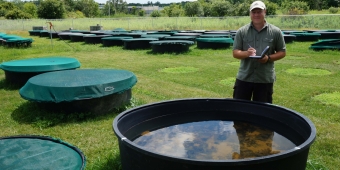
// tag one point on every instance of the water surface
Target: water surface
(214, 140)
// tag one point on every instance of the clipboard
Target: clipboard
(264, 52)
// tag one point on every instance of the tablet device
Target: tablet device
(264, 52)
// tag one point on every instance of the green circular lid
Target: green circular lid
(217, 32)
(81, 35)
(120, 32)
(70, 33)
(329, 41)
(41, 64)
(19, 40)
(163, 32)
(321, 30)
(172, 42)
(84, 35)
(217, 40)
(8, 36)
(134, 33)
(214, 35)
(325, 47)
(306, 34)
(289, 35)
(188, 34)
(141, 39)
(39, 152)
(155, 35)
(293, 31)
(116, 38)
(75, 31)
(71, 85)
(327, 32)
(113, 33)
(181, 37)
(119, 29)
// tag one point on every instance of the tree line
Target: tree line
(58, 9)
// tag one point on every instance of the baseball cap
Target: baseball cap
(257, 4)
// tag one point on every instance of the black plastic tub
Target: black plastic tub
(329, 35)
(79, 37)
(188, 34)
(187, 38)
(214, 43)
(216, 32)
(134, 35)
(20, 71)
(215, 36)
(64, 36)
(113, 41)
(94, 39)
(163, 32)
(97, 91)
(131, 123)
(158, 36)
(171, 46)
(34, 32)
(49, 34)
(44, 33)
(67, 35)
(292, 31)
(138, 43)
(20, 78)
(97, 106)
(303, 37)
(18, 42)
(193, 31)
(98, 32)
(289, 38)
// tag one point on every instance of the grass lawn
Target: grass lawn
(298, 87)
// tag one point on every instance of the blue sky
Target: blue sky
(145, 1)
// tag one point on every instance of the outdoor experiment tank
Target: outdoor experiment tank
(185, 150)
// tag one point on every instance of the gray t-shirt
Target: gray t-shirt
(250, 69)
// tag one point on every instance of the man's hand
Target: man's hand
(251, 51)
(264, 59)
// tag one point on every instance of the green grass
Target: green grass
(179, 70)
(324, 11)
(207, 74)
(308, 71)
(301, 22)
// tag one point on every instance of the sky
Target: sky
(146, 1)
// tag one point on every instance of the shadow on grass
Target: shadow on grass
(6, 85)
(31, 113)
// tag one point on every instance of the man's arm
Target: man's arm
(239, 54)
(273, 57)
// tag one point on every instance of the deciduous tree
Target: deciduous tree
(31, 9)
(51, 9)
(193, 9)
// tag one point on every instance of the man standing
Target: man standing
(255, 78)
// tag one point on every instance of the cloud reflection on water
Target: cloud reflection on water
(213, 140)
